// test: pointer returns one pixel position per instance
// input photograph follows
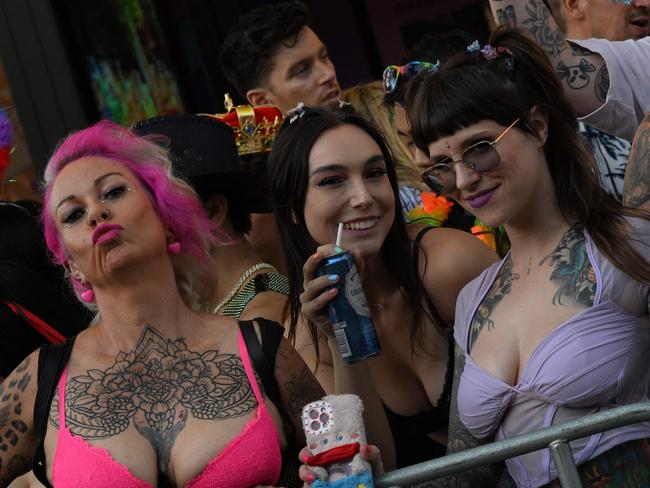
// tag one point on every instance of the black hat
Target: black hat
(203, 151)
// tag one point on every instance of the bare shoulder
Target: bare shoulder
(449, 259)
(451, 254)
(268, 304)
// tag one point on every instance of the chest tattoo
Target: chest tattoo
(156, 386)
(502, 286)
(571, 269)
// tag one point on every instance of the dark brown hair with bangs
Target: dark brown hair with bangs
(469, 88)
(289, 175)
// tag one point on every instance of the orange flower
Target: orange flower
(434, 210)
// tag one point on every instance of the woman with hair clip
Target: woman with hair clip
(327, 168)
(158, 392)
(559, 328)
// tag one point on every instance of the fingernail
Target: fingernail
(333, 291)
(310, 478)
(367, 450)
(333, 278)
(338, 249)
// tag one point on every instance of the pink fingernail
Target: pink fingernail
(310, 478)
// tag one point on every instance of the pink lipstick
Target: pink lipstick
(105, 233)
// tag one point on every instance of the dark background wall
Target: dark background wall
(68, 61)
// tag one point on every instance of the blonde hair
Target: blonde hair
(368, 100)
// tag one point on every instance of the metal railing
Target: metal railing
(556, 438)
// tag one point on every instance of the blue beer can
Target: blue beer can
(348, 311)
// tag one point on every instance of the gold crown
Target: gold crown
(254, 128)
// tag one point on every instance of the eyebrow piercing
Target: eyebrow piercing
(447, 145)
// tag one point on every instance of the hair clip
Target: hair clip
(473, 47)
(296, 112)
(490, 52)
(343, 103)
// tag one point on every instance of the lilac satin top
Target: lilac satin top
(592, 362)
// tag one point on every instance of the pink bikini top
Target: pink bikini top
(592, 362)
(252, 458)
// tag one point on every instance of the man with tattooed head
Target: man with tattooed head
(168, 391)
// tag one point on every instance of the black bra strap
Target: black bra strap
(51, 361)
(263, 355)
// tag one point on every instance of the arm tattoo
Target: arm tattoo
(301, 390)
(636, 189)
(538, 24)
(157, 385)
(502, 286)
(12, 428)
(300, 385)
(460, 439)
(16, 466)
(507, 16)
(577, 76)
(572, 270)
(578, 50)
(602, 84)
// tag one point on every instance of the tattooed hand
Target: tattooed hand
(17, 440)
(636, 189)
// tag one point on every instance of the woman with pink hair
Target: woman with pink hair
(156, 392)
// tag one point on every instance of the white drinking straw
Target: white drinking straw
(339, 235)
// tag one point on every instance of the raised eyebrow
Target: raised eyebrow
(98, 181)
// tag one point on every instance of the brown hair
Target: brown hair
(468, 89)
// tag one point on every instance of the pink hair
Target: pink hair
(174, 200)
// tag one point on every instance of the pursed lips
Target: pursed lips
(105, 231)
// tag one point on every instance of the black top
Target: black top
(412, 442)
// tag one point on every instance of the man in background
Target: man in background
(273, 57)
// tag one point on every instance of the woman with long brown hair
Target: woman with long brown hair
(557, 329)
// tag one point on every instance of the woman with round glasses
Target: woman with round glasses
(328, 168)
(559, 328)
